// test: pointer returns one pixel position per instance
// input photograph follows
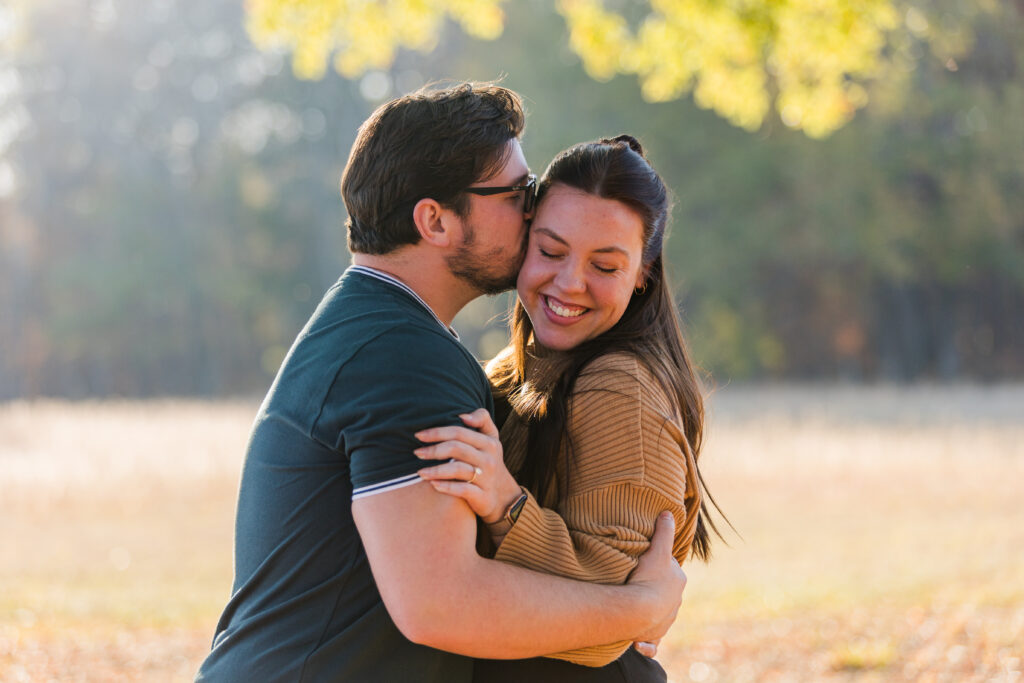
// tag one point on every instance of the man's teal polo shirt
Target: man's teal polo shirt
(371, 367)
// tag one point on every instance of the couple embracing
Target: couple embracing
(405, 515)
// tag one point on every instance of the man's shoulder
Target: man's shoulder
(357, 302)
(411, 363)
(409, 346)
(361, 307)
(366, 334)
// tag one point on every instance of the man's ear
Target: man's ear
(433, 222)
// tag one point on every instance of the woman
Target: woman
(604, 414)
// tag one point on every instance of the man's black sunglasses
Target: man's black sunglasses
(529, 191)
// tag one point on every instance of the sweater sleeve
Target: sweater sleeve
(629, 462)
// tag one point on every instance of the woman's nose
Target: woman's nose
(570, 279)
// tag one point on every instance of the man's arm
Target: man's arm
(440, 593)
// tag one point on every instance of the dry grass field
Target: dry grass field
(882, 537)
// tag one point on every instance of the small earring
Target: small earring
(641, 289)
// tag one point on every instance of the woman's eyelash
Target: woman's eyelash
(606, 270)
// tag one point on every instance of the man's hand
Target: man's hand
(660, 574)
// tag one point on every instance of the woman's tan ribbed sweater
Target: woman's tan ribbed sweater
(629, 461)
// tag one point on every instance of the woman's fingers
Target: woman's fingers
(460, 489)
(481, 419)
(456, 433)
(453, 470)
(451, 450)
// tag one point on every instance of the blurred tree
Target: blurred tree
(169, 229)
(169, 210)
(896, 250)
(811, 58)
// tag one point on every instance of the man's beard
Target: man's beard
(492, 272)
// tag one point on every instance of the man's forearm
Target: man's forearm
(442, 594)
(500, 611)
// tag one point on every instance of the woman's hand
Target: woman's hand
(475, 470)
(648, 648)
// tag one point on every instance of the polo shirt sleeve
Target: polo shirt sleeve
(401, 382)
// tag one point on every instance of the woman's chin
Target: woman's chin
(556, 342)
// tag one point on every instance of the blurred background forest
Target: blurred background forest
(170, 214)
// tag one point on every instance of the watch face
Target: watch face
(517, 507)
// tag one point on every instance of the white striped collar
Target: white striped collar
(381, 275)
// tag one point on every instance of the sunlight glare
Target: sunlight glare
(8, 180)
(6, 23)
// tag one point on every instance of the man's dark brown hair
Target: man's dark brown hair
(433, 143)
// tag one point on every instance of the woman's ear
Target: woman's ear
(641, 279)
(433, 222)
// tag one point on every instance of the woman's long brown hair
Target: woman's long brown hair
(649, 329)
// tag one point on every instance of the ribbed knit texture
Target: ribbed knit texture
(629, 461)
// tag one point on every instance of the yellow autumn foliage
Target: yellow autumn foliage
(810, 59)
(358, 35)
(814, 54)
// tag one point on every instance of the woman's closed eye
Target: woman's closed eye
(602, 268)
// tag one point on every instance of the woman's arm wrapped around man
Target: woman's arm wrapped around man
(629, 461)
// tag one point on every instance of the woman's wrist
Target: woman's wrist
(500, 527)
(508, 498)
(497, 538)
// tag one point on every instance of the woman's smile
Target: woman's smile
(562, 312)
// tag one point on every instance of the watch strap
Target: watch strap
(504, 525)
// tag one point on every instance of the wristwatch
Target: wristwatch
(504, 525)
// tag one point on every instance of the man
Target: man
(347, 566)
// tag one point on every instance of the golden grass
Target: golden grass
(882, 537)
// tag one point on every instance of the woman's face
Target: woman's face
(582, 263)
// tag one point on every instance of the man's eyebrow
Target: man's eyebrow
(521, 180)
(603, 250)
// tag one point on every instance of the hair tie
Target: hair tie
(627, 140)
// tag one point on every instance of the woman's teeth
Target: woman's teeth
(563, 311)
